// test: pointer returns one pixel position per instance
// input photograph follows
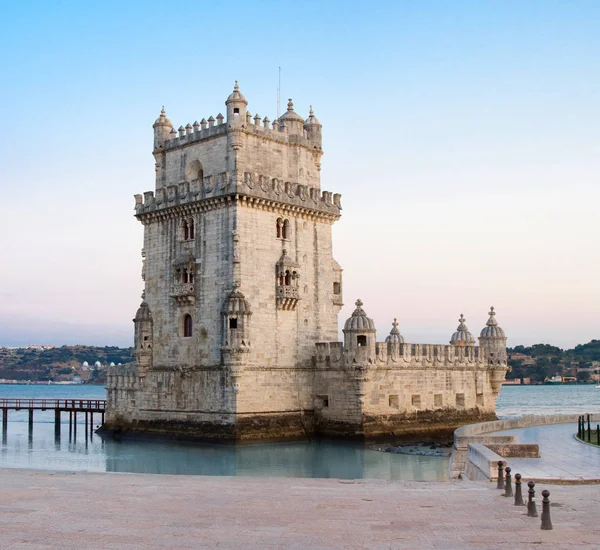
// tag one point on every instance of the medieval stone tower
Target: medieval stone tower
(236, 336)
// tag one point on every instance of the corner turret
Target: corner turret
(462, 336)
(236, 107)
(313, 129)
(493, 340)
(360, 333)
(143, 338)
(162, 127)
(292, 120)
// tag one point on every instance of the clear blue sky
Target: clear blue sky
(463, 136)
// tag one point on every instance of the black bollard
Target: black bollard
(531, 507)
(579, 428)
(518, 492)
(597, 434)
(508, 492)
(589, 430)
(500, 484)
(546, 521)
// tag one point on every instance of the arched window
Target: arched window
(184, 276)
(336, 288)
(190, 276)
(286, 229)
(191, 230)
(186, 231)
(288, 278)
(187, 325)
(278, 228)
(281, 280)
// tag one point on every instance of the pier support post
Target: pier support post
(4, 425)
(30, 422)
(75, 425)
(57, 425)
(86, 425)
(70, 425)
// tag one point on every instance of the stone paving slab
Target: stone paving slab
(45, 510)
(562, 457)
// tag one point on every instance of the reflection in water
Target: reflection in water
(76, 452)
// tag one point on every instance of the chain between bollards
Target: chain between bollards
(508, 492)
(518, 492)
(546, 521)
(531, 507)
(500, 484)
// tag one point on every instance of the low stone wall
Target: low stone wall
(478, 434)
(482, 463)
(516, 450)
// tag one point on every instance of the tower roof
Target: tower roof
(491, 329)
(162, 119)
(236, 96)
(312, 119)
(462, 336)
(290, 114)
(395, 337)
(236, 304)
(359, 322)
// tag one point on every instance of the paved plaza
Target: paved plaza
(60, 510)
(563, 458)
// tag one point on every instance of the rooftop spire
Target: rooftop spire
(492, 320)
(290, 105)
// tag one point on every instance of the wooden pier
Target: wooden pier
(72, 406)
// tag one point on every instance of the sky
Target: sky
(463, 137)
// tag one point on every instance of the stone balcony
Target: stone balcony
(287, 297)
(184, 294)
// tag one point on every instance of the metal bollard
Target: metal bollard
(546, 521)
(589, 430)
(500, 484)
(508, 492)
(518, 492)
(531, 507)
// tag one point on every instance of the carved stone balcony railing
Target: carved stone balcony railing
(287, 297)
(184, 293)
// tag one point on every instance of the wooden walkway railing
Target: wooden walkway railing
(72, 406)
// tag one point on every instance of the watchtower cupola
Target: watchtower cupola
(359, 330)
(162, 128)
(236, 107)
(462, 336)
(292, 120)
(313, 129)
(493, 340)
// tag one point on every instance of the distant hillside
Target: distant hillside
(543, 360)
(60, 363)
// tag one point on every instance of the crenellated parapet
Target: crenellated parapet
(253, 189)
(402, 356)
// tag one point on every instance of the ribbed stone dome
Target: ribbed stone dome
(162, 119)
(462, 336)
(236, 304)
(359, 322)
(491, 329)
(290, 114)
(312, 119)
(395, 337)
(143, 313)
(236, 95)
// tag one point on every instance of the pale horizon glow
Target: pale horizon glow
(462, 136)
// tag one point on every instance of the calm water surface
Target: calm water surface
(316, 459)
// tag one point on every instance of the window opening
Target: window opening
(336, 288)
(288, 278)
(236, 110)
(286, 229)
(186, 231)
(278, 228)
(233, 323)
(361, 340)
(191, 229)
(187, 325)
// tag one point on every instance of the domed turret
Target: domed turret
(395, 337)
(359, 330)
(293, 121)
(313, 128)
(236, 304)
(236, 316)
(493, 341)
(491, 329)
(236, 107)
(462, 336)
(162, 127)
(143, 332)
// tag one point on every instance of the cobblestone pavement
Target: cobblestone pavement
(60, 510)
(562, 457)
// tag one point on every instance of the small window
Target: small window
(236, 110)
(278, 228)
(146, 338)
(460, 400)
(438, 401)
(394, 402)
(336, 288)
(323, 400)
(416, 401)
(285, 233)
(187, 326)
(186, 231)
(361, 340)
(233, 323)
(288, 278)
(191, 230)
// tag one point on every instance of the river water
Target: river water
(301, 459)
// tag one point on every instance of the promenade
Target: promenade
(43, 510)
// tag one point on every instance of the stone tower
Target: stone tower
(239, 276)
